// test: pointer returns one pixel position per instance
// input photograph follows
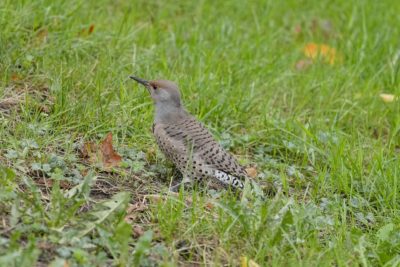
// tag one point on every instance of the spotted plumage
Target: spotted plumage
(186, 142)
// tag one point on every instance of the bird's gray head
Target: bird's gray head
(163, 92)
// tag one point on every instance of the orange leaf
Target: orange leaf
(15, 77)
(209, 206)
(251, 172)
(329, 54)
(87, 31)
(91, 28)
(110, 157)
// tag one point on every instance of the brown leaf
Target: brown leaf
(109, 156)
(16, 77)
(209, 206)
(65, 184)
(87, 31)
(102, 154)
(91, 29)
(251, 172)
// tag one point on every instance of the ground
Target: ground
(292, 88)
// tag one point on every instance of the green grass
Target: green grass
(325, 146)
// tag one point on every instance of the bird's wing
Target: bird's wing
(199, 141)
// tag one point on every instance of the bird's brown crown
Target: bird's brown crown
(163, 84)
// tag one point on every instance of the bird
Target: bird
(187, 142)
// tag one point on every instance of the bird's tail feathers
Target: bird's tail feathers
(228, 179)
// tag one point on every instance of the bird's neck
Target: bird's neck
(168, 113)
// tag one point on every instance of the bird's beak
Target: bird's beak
(141, 81)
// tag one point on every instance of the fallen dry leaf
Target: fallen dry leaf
(103, 154)
(327, 53)
(209, 206)
(387, 98)
(110, 157)
(16, 77)
(91, 29)
(87, 31)
(251, 172)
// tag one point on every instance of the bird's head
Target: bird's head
(163, 92)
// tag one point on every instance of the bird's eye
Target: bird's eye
(154, 87)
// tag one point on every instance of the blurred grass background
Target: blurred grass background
(319, 135)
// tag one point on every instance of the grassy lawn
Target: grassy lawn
(292, 88)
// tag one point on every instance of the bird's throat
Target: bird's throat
(168, 113)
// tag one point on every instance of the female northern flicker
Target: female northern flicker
(185, 141)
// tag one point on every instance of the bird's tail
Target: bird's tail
(228, 179)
